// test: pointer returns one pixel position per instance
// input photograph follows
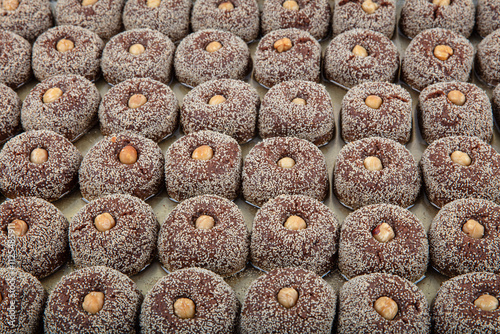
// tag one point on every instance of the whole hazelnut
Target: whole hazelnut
(286, 162)
(443, 52)
(104, 222)
(295, 223)
(383, 233)
(369, 6)
(473, 229)
(226, 6)
(213, 46)
(217, 99)
(136, 101)
(205, 222)
(128, 155)
(203, 152)
(360, 51)
(373, 163)
(184, 308)
(456, 97)
(93, 302)
(52, 94)
(88, 2)
(153, 3)
(486, 303)
(291, 5)
(441, 2)
(282, 45)
(65, 45)
(137, 49)
(10, 4)
(373, 101)
(461, 158)
(299, 101)
(19, 227)
(386, 307)
(288, 297)
(39, 156)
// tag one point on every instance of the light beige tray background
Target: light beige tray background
(162, 205)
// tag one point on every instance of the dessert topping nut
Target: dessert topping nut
(372, 163)
(282, 45)
(360, 51)
(373, 101)
(226, 6)
(288, 297)
(456, 97)
(299, 101)
(203, 152)
(286, 162)
(461, 158)
(295, 223)
(19, 227)
(184, 308)
(473, 229)
(369, 6)
(104, 222)
(39, 156)
(383, 233)
(486, 303)
(52, 94)
(213, 46)
(137, 49)
(443, 52)
(217, 99)
(136, 101)
(205, 222)
(93, 302)
(291, 5)
(128, 155)
(386, 307)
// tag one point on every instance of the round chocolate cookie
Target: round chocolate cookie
(124, 163)
(284, 166)
(496, 105)
(192, 300)
(378, 15)
(211, 54)
(39, 235)
(116, 231)
(487, 14)
(241, 17)
(294, 231)
(227, 106)
(139, 53)
(287, 54)
(203, 162)
(65, 104)
(437, 55)
(39, 163)
(27, 18)
(297, 108)
(382, 303)
(10, 113)
(361, 55)
(468, 304)
(22, 298)
(312, 16)
(420, 15)
(93, 300)
(377, 109)
(67, 50)
(460, 167)
(170, 17)
(143, 105)
(15, 59)
(376, 170)
(383, 238)
(206, 231)
(290, 300)
(454, 109)
(487, 64)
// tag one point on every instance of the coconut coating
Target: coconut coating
(156, 119)
(446, 181)
(103, 173)
(186, 177)
(263, 179)
(15, 59)
(343, 67)
(397, 183)
(439, 117)
(360, 253)
(157, 61)
(195, 65)
(487, 13)
(280, 117)
(222, 249)
(71, 115)
(122, 300)
(496, 104)
(420, 15)
(301, 62)
(127, 247)
(171, 17)
(10, 113)
(487, 64)
(421, 68)
(313, 313)
(50, 180)
(453, 310)
(29, 20)
(235, 117)
(357, 314)
(44, 248)
(84, 59)
(275, 246)
(313, 16)
(243, 20)
(392, 120)
(216, 304)
(27, 295)
(348, 14)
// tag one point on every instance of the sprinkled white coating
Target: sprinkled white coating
(487, 58)
(496, 104)
(487, 14)
(15, 59)
(30, 19)
(10, 113)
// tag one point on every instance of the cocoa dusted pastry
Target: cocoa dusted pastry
(290, 300)
(39, 163)
(211, 54)
(383, 238)
(288, 109)
(67, 50)
(117, 231)
(15, 59)
(361, 55)
(294, 231)
(203, 162)
(488, 52)
(460, 167)
(284, 166)
(192, 300)
(65, 104)
(377, 109)
(287, 54)
(10, 113)
(143, 105)
(496, 105)
(437, 55)
(455, 109)
(376, 170)
(93, 300)
(382, 303)
(206, 231)
(487, 13)
(27, 18)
